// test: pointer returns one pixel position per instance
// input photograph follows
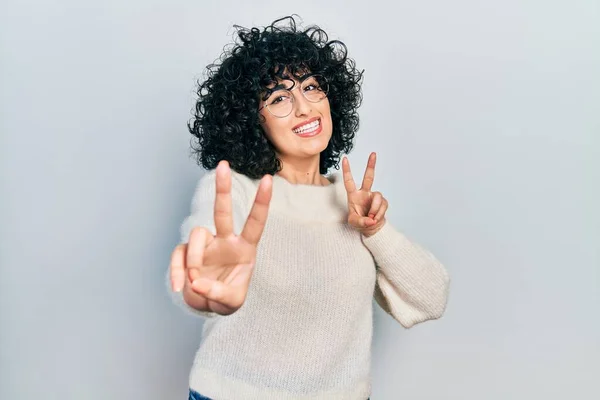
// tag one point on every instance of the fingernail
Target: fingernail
(175, 287)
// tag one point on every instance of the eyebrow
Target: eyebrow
(269, 92)
(279, 86)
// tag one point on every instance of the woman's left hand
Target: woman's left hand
(366, 209)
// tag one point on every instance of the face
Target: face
(306, 131)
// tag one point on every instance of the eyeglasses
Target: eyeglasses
(280, 103)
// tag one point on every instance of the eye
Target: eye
(312, 84)
(279, 97)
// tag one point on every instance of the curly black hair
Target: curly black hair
(226, 123)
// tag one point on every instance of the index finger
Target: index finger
(223, 214)
(369, 177)
(257, 218)
(348, 180)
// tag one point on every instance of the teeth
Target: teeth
(308, 127)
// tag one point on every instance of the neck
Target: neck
(305, 172)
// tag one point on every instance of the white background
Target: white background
(485, 116)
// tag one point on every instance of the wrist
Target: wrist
(374, 229)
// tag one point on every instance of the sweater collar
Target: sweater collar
(311, 203)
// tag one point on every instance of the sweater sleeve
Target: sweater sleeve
(202, 214)
(412, 285)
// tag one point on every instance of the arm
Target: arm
(412, 285)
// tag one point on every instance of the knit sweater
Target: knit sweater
(305, 328)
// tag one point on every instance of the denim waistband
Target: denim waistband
(197, 396)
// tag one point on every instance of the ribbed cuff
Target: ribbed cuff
(385, 242)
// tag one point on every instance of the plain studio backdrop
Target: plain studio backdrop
(485, 117)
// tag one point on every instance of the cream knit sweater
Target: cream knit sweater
(305, 329)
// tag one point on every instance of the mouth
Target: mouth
(310, 128)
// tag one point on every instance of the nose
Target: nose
(303, 106)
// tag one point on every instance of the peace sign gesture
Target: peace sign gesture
(366, 209)
(214, 271)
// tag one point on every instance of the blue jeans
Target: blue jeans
(197, 396)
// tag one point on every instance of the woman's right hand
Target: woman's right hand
(214, 271)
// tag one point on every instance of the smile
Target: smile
(311, 128)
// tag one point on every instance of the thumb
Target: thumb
(361, 222)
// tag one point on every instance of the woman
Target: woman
(282, 260)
